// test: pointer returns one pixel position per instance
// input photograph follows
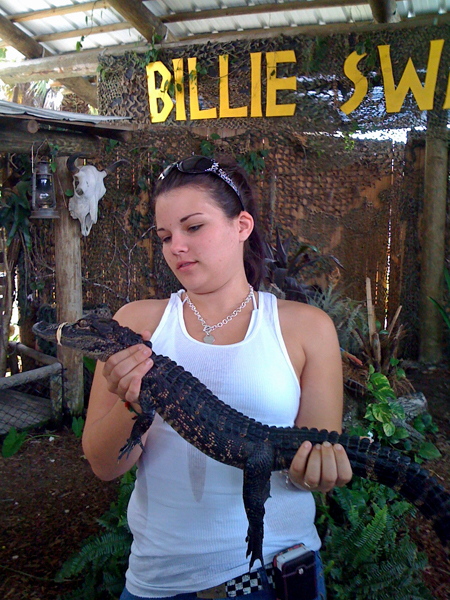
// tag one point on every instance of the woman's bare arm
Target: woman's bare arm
(313, 345)
(108, 421)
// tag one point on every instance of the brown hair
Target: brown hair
(227, 200)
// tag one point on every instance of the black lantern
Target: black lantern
(43, 200)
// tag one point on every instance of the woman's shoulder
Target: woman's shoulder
(142, 314)
(301, 317)
(301, 310)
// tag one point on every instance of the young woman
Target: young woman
(276, 361)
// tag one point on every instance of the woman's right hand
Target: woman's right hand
(124, 370)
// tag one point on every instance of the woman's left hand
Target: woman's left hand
(320, 468)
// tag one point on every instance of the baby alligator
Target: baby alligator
(230, 437)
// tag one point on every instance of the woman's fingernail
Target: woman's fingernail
(338, 447)
(317, 447)
(307, 445)
(327, 444)
(146, 352)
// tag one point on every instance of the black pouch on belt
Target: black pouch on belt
(295, 574)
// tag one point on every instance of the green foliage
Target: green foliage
(253, 162)
(367, 551)
(152, 54)
(15, 211)
(102, 561)
(285, 267)
(346, 314)
(89, 363)
(13, 442)
(54, 148)
(384, 414)
(207, 147)
(381, 413)
(316, 55)
(77, 426)
(444, 308)
(111, 144)
(79, 44)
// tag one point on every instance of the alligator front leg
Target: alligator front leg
(141, 425)
(256, 491)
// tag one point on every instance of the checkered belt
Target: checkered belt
(240, 586)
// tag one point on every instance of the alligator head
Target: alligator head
(95, 336)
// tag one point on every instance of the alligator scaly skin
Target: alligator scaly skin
(230, 437)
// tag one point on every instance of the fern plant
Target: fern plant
(102, 561)
(367, 551)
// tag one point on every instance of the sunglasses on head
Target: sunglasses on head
(196, 165)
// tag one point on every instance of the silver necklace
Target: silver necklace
(208, 329)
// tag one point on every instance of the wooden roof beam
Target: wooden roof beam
(384, 11)
(238, 11)
(57, 11)
(140, 17)
(64, 35)
(22, 42)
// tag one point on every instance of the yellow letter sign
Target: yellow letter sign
(195, 111)
(358, 79)
(161, 93)
(224, 93)
(424, 95)
(273, 84)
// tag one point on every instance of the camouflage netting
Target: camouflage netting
(337, 195)
(322, 86)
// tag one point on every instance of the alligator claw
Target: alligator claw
(254, 547)
(256, 491)
(141, 425)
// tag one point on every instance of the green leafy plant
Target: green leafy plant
(379, 347)
(102, 561)
(13, 442)
(253, 162)
(79, 44)
(346, 314)
(111, 144)
(77, 426)
(152, 54)
(444, 308)
(284, 268)
(367, 551)
(386, 412)
(90, 364)
(207, 147)
(15, 211)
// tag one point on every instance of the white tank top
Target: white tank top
(186, 513)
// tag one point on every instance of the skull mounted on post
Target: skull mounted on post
(88, 190)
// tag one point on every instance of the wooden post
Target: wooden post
(5, 301)
(68, 286)
(433, 238)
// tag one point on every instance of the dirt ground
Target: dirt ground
(50, 500)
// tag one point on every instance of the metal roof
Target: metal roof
(85, 26)
(70, 29)
(12, 108)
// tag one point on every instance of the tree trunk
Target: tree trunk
(433, 236)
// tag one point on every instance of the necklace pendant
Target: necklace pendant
(209, 339)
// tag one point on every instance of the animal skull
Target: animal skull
(88, 191)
